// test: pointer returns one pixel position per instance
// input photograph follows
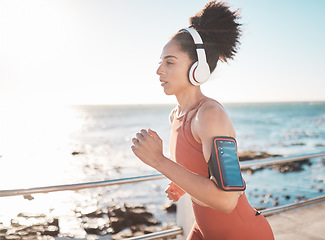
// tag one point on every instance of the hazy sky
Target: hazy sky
(107, 51)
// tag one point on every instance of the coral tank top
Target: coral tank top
(243, 222)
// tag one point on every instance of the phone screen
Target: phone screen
(227, 153)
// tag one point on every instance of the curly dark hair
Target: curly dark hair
(219, 30)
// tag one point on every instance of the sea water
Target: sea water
(44, 146)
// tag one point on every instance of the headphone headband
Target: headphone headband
(200, 70)
(195, 35)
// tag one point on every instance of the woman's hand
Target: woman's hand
(148, 147)
(174, 192)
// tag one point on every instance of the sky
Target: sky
(107, 51)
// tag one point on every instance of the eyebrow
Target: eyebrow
(169, 56)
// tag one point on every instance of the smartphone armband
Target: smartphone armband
(224, 164)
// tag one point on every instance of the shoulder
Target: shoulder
(212, 111)
(211, 108)
(213, 120)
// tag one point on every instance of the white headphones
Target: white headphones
(199, 72)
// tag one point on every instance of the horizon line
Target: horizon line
(171, 103)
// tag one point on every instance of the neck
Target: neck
(187, 99)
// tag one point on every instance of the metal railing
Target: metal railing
(275, 210)
(278, 160)
(78, 186)
(177, 230)
(162, 234)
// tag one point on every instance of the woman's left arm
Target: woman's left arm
(212, 121)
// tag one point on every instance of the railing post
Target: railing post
(184, 216)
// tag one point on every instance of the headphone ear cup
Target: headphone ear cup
(199, 74)
(191, 74)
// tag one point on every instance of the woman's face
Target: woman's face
(173, 69)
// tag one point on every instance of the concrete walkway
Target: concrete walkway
(306, 223)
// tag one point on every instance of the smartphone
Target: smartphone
(224, 164)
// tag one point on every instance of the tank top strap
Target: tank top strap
(196, 108)
(186, 123)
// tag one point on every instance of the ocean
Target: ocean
(44, 146)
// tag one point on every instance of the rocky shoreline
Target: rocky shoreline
(116, 222)
(295, 166)
(119, 222)
(28, 226)
(283, 167)
(115, 219)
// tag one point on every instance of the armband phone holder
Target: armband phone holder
(224, 164)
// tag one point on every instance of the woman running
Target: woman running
(186, 62)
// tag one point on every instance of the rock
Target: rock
(130, 216)
(269, 195)
(301, 198)
(170, 207)
(116, 219)
(53, 222)
(246, 155)
(51, 231)
(41, 226)
(251, 155)
(94, 227)
(250, 171)
(126, 233)
(92, 212)
(30, 215)
(320, 145)
(12, 237)
(28, 197)
(76, 153)
(117, 224)
(298, 144)
(141, 229)
(291, 166)
(3, 229)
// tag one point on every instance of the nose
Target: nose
(159, 70)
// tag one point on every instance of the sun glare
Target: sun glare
(34, 144)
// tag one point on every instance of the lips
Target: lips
(163, 83)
